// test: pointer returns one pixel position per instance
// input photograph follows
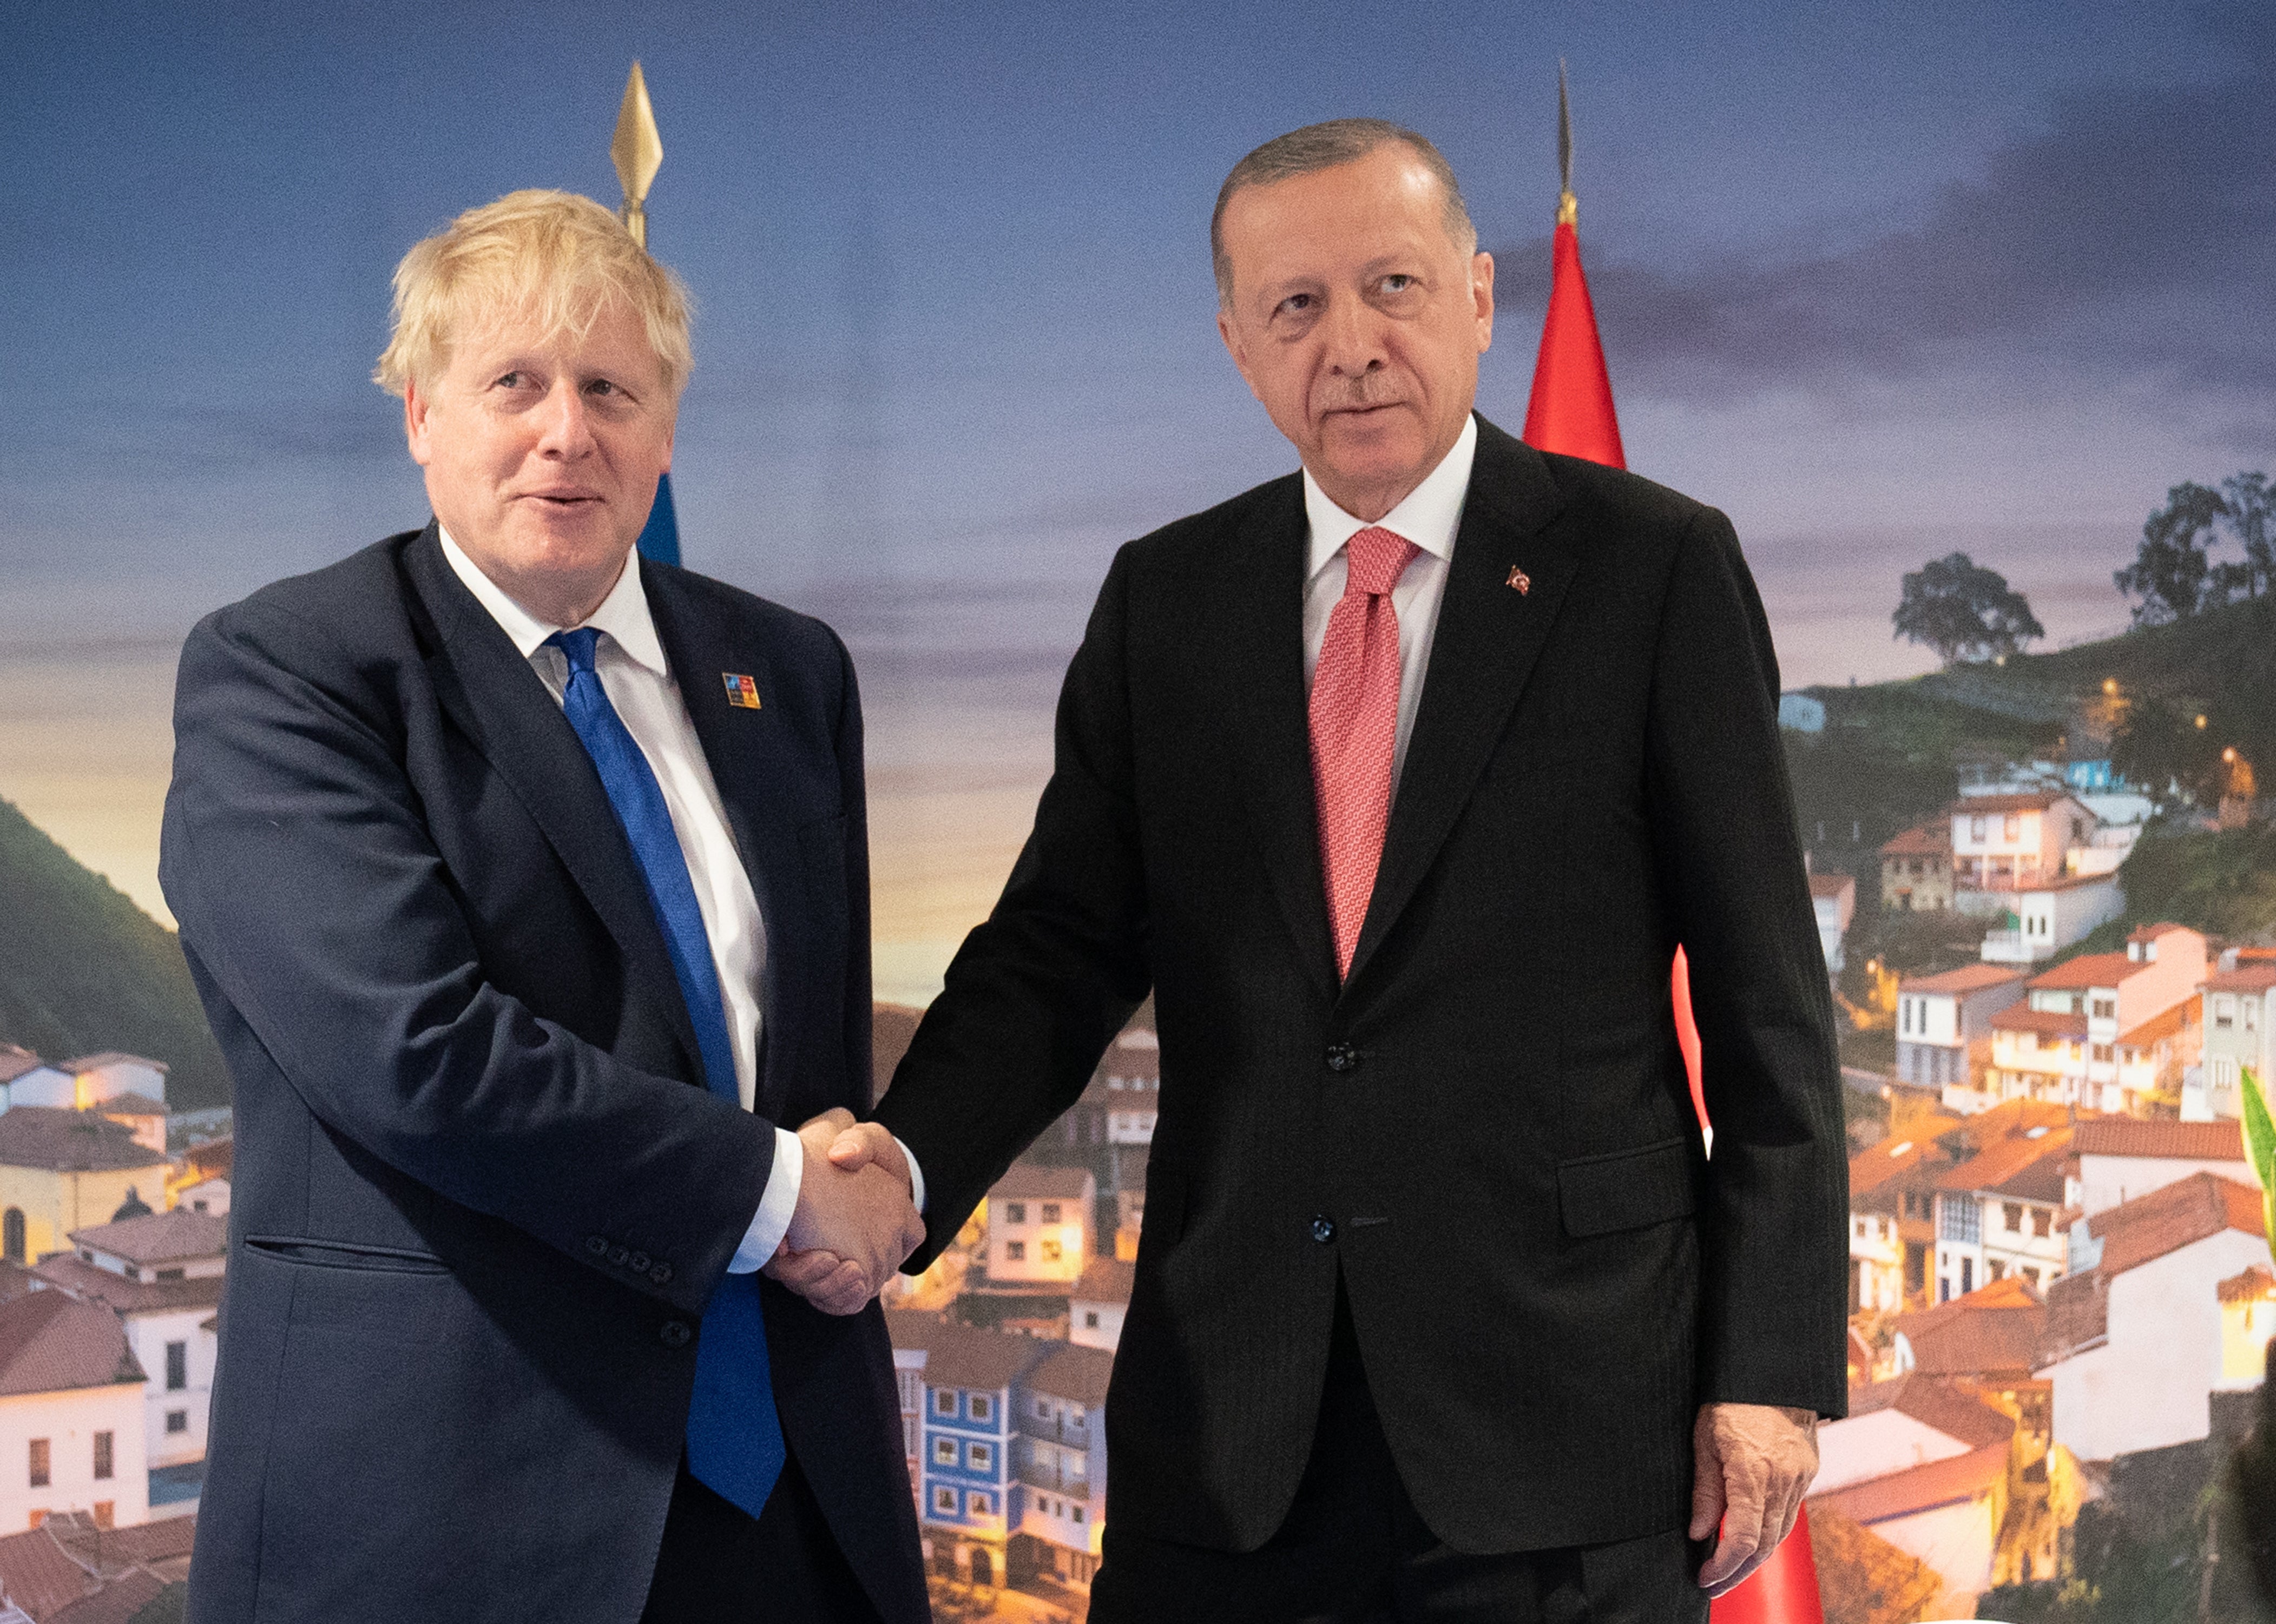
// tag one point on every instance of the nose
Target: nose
(1354, 337)
(566, 433)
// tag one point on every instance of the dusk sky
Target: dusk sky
(1880, 281)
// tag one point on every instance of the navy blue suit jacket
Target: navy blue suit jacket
(480, 1195)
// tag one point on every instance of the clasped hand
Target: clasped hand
(853, 1223)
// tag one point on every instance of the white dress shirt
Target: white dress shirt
(1429, 517)
(629, 658)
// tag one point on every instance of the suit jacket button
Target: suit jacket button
(675, 1333)
(597, 1245)
(618, 1254)
(639, 1263)
(1323, 1229)
(661, 1274)
(1342, 1057)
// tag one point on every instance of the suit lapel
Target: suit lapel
(1261, 596)
(744, 749)
(489, 690)
(1488, 636)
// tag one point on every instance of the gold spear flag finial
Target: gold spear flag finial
(638, 151)
(1568, 206)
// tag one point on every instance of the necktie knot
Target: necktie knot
(1376, 558)
(577, 648)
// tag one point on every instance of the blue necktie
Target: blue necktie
(734, 1438)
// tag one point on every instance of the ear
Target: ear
(415, 404)
(1229, 331)
(1481, 303)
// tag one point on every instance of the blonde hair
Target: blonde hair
(553, 254)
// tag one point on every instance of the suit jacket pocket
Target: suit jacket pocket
(346, 1255)
(1626, 1189)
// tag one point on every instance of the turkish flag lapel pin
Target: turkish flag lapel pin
(1520, 582)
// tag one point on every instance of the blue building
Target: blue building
(969, 1499)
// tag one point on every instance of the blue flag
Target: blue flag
(659, 538)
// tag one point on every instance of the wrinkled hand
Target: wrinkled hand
(853, 1223)
(1754, 1464)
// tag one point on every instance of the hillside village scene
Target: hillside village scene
(2045, 888)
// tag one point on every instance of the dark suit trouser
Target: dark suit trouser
(1354, 1551)
(719, 1565)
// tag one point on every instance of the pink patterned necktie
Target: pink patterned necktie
(1355, 729)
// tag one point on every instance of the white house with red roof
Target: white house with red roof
(2114, 1159)
(2062, 1043)
(1040, 1221)
(1943, 1020)
(71, 1414)
(1098, 1302)
(1892, 1216)
(2133, 1345)
(1917, 870)
(2240, 1036)
(1908, 1421)
(1946, 1512)
(2004, 844)
(1997, 1211)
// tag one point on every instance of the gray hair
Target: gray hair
(1325, 147)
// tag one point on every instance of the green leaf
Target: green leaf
(2260, 1141)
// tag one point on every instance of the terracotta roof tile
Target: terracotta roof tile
(1865, 1579)
(2151, 932)
(2167, 1024)
(1977, 805)
(55, 1139)
(2046, 1023)
(15, 1061)
(115, 1603)
(2249, 1287)
(1996, 1328)
(161, 1238)
(2078, 1317)
(1927, 840)
(2148, 1227)
(1967, 978)
(160, 1541)
(1106, 1279)
(2090, 971)
(2007, 1166)
(1831, 885)
(1026, 1181)
(965, 1356)
(1079, 1374)
(1937, 1402)
(2244, 979)
(91, 1283)
(1918, 1488)
(112, 1057)
(1881, 1164)
(51, 1342)
(38, 1576)
(2127, 1136)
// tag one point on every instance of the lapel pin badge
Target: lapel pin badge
(741, 689)
(1520, 581)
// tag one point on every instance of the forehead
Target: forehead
(571, 327)
(1386, 202)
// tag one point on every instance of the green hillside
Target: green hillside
(83, 969)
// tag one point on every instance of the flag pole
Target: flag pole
(637, 150)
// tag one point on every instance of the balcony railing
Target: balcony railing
(1037, 1476)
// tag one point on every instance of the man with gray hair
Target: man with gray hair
(1398, 782)
(525, 885)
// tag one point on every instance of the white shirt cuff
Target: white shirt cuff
(776, 1207)
(916, 1176)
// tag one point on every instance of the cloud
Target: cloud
(2133, 243)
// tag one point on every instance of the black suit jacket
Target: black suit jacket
(480, 1193)
(1486, 1127)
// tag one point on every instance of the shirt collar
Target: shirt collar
(624, 614)
(1428, 516)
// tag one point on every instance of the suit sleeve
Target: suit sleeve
(307, 887)
(1774, 1233)
(1040, 988)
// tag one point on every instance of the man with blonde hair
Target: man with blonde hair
(525, 885)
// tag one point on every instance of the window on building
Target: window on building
(2041, 1220)
(1015, 1251)
(1015, 1212)
(1967, 1275)
(943, 1501)
(178, 1421)
(2223, 1012)
(177, 1366)
(1076, 1514)
(2103, 1053)
(106, 1514)
(11, 1234)
(980, 1410)
(2011, 1214)
(2106, 1008)
(944, 1401)
(1042, 1409)
(980, 1504)
(1051, 1251)
(1976, 829)
(943, 1451)
(1995, 1270)
(1960, 1218)
(2031, 1274)
(1051, 1212)
(980, 1457)
(103, 1455)
(39, 1465)
(2013, 828)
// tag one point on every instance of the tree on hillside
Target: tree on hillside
(1963, 611)
(2174, 574)
(2158, 744)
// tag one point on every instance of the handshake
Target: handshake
(854, 1221)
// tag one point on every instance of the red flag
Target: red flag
(1571, 411)
(1571, 414)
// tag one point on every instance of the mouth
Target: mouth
(562, 499)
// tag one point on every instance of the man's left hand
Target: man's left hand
(1754, 1463)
